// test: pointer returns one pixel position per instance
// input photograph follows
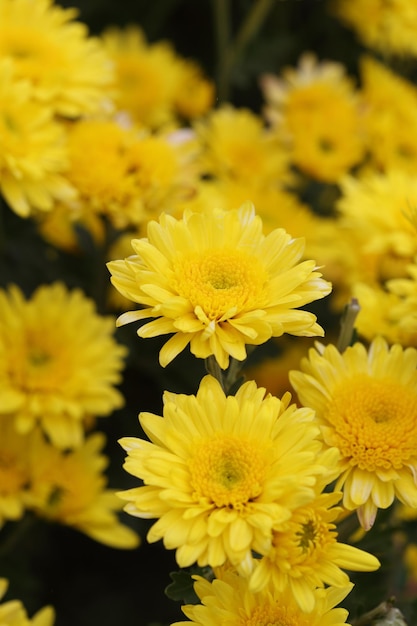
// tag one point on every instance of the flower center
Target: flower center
(307, 537)
(228, 471)
(275, 615)
(374, 422)
(34, 53)
(221, 282)
(37, 363)
(104, 144)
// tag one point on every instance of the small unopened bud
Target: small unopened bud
(394, 617)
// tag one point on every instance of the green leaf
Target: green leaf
(182, 587)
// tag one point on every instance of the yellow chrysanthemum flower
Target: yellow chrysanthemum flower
(32, 148)
(389, 310)
(389, 27)
(145, 75)
(236, 146)
(68, 69)
(70, 488)
(332, 244)
(14, 471)
(220, 472)
(375, 206)
(405, 290)
(154, 84)
(99, 169)
(128, 177)
(59, 362)
(366, 405)
(194, 93)
(389, 104)
(229, 601)
(316, 109)
(13, 613)
(218, 283)
(381, 313)
(306, 554)
(276, 206)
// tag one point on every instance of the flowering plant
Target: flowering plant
(224, 243)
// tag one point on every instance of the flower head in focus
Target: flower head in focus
(220, 472)
(228, 600)
(218, 283)
(13, 613)
(70, 488)
(68, 69)
(59, 362)
(366, 404)
(306, 554)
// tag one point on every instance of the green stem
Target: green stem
(223, 36)
(228, 53)
(227, 378)
(214, 369)
(347, 325)
(20, 529)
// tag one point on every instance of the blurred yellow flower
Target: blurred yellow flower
(126, 175)
(375, 207)
(217, 283)
(59, 362)
(221, 472)
(145, 75)
(70, 488)
(229, 601)
(306, 554)
(381, 313)
(388, 27)
(194, 93)
(236, 146)
(14, 471)
(99, 168)
(153, 83)
(366, 405)
(13, 613)
(405, 290)
(32, 148)
(68, 69)
(389, 107)
(316, 110)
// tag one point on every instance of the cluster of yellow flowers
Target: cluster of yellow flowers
(212, 234)
(59, 367)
